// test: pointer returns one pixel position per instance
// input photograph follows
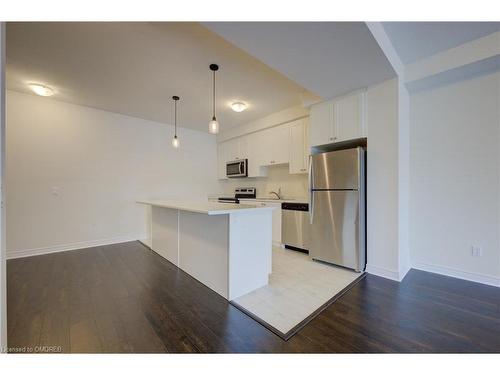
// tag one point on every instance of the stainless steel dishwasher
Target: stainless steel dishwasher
(295, 225)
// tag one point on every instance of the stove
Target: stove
(248, 192)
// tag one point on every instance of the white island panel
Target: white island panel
(203, 243)
(164, 225)
(250, 259)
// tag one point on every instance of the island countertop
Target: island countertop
(204, 207)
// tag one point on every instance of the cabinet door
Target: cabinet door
(251, 147)
(321, 130)
(349, 119)
(280, 145)
(297, 147)
(244, 147)
(221, 160)
(307, 147)
(275, 145)
(233, 149)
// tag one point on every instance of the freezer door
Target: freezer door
(337, 169)
(334, 235)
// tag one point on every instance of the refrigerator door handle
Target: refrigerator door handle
(311, 198)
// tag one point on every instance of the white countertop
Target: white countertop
(204, 207)
(264, 199)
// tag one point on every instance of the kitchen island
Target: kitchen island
(227, 247)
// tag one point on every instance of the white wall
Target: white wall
(382, 180)
(74, 173)
(455, 175)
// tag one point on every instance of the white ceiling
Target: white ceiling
(135, 68)
(327, 58)
(416, 40)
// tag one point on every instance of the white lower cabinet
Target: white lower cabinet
(276, 216)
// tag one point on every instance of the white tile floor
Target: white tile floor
(297, 287)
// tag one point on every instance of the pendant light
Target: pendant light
(213, 125)
(175, 140)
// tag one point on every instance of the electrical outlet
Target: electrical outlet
(475, 251)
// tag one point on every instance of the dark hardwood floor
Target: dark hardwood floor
(125, 298)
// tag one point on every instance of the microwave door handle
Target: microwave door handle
(240, 164)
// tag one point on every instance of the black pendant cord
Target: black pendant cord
(214, 68)
(214, 98)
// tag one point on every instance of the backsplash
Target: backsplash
(292, 185)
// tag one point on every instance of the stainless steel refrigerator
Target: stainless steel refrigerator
(337, 208)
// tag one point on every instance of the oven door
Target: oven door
(236, 168)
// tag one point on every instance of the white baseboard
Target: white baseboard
(460, 274)
(383, 272)
(13, 254)
(404, 272)
(146, 242)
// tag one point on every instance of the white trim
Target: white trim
(146, 242)
(402, 273)
(460, 274)
(385, 44)
(383, 272)
(468, 53)
(13, 254)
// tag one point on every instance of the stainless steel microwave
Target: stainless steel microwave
(237, 168)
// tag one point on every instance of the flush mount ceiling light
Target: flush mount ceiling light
(41, 90)
(175, 140)
(238, 106)
(213, 125)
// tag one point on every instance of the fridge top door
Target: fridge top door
(337, 170)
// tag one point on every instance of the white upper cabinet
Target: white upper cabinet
(321, 131)
(282, 144)
(221, 160)
(251, 146)
(299, 146)
(233, 150)
(338, 120)
(349, 117)
(245, 147)
(275, 145)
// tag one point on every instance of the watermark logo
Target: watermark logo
(33, 349)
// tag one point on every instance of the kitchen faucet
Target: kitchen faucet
(278, 194)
